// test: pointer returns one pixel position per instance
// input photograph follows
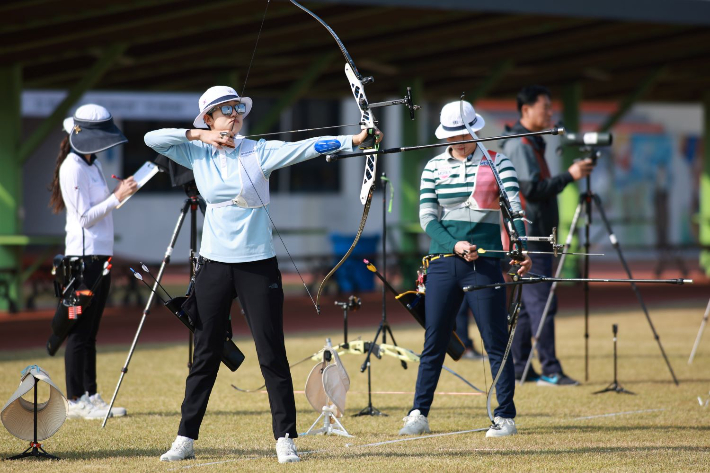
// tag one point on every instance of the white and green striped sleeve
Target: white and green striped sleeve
(428, 201)
(429, 209)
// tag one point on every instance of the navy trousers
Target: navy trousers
(462, 324)
(534, 299)
(444, 294)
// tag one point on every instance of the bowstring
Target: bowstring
(470, 225)
(253, 53)
(278, 233)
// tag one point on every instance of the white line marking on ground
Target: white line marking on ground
(618, 414)
(308, 452)
(395, 392)
(416, 438)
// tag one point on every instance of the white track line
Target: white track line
(263, 391)
(415, 438)
(618, 414)
(242, 459)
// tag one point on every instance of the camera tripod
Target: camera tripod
(586, 200)
(192, 203)
(384, 327)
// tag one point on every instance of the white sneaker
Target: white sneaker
(502, 428)
(182, 449)
(286, 450)
(83, 408)
(415, 424)
(101, 404)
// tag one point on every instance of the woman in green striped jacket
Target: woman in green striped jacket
(461, 183)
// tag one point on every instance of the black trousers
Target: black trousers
(80, 354)
(258, 285)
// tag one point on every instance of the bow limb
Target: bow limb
(367, 121)
(366, 210)
(513, 310)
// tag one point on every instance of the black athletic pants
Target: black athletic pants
(258, 285)
(80, 354)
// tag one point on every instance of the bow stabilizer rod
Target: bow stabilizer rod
(552, 131)
(536, 278)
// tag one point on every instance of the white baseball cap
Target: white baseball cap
(215, 96)
(452, 123)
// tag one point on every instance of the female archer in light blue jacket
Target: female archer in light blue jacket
(237, 253)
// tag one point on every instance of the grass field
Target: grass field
(663, 429)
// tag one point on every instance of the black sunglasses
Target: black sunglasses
(227, 109)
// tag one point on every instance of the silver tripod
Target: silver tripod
(193, 202)
(700, 334)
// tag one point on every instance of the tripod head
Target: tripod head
(591, 153)
(191, 189)
(353, 303)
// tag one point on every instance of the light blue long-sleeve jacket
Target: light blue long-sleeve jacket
(233, 234)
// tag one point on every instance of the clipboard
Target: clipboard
(141, 176)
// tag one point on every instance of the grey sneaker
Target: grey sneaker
(472, 354)
(101, 404)
(83, 408)
(415, 424)
(502, 428)
(182, 449)
(286, 450)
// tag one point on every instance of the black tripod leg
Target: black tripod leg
(388, 329)
(615, 244)
(146, 310)
(366, 363)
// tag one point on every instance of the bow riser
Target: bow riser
(366, 121)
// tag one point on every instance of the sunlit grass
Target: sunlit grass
(674, 433)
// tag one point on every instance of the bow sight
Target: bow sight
(406, 101)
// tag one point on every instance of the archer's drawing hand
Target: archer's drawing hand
(217, 138)
(466, 250)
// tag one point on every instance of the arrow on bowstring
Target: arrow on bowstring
(482, 251)
(552, 131)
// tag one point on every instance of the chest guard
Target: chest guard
(255, 186)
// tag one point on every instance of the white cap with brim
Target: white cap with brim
(94, 130)
(452, 123)
(215, 96)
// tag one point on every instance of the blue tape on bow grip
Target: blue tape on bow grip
(326, 146)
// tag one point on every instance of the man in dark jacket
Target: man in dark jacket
(538, 191)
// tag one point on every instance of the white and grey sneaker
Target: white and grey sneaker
(502, 428)
(415, 424)
(83, 408)
(101, 404)
(286, 450)
(182, 449)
